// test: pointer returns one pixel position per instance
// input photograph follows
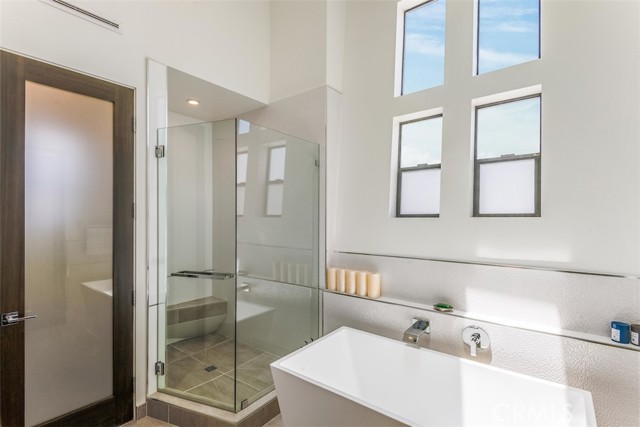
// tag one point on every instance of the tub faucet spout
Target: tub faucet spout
(418, 328)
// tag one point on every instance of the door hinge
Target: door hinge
(159, 368)
(133, 210)
(317, 163)
(159, 151)
(133, 124)
(133, 298)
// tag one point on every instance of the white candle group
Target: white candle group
(354, 282)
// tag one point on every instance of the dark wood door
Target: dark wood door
(116, 238)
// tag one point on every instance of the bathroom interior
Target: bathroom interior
(272, 151)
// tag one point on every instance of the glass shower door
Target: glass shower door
(196, 217)
(234, 198)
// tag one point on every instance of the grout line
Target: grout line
(240, 381)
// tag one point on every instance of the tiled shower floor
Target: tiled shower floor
(203, 367)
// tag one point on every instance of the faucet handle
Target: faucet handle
(476, 338)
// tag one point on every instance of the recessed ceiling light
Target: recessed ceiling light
(193, 102)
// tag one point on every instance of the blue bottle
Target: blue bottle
(620, 332)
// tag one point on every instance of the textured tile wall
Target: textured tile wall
(541, 299)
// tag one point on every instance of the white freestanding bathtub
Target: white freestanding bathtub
(353, 378)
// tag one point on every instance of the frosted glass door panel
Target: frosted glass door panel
(508, 187)
(68, 251)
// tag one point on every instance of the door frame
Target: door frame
(15, 70)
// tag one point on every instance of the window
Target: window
(243, 127)
(508, 33)
(420, 145)
(422, 46)
(507, 158)
(275, 180)
(241, 180)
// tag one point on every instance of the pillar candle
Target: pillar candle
(361, 283)
(373, 285)
(351, 282)
(291, 272)
(331, 279)
(299, 273)
(341, 280)
(307, 275)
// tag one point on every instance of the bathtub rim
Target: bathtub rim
(584, 394)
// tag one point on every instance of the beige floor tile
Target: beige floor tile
(173, 354)
(257, 372)
(197, 344)
(221, 390)
(188, 373)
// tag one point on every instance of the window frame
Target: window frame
(414, 168)
(537, 157)
(270, 182)
(241, 151)
(477, 49)
(401, 33)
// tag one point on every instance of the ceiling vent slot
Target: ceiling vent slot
(84, 13)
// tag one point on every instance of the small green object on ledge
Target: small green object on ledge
(443, 307)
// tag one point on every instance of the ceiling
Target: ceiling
(216, 102)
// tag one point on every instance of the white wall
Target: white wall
(590, 180)
(298, 46)
(548, 324)
(226, 42)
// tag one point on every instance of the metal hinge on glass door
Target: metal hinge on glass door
(159, 151)
(159, 368)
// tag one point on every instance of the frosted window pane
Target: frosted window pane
(243, 127)
(275, 193)
(421, 142)
(507, 187)
(242, 167)
(420, 192)
(510, 128)
(509, 33)
(423, 56)
(240, 192)
(276, 163)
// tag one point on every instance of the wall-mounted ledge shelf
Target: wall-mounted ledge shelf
(581, 336)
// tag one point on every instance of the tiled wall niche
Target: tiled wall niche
(551, 325)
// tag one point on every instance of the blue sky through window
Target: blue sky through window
(423, 61)
(509, 128)
(509, 33)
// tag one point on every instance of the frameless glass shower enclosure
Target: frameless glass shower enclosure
(238, 258)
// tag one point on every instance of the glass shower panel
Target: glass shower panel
(197, 215)
(68, 251)
(277, 303)
(218, 335)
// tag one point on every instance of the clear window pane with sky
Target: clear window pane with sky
(509, 128)
(508, 33)
(421, 142)
(423, 55)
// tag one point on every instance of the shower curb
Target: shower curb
(182, 417)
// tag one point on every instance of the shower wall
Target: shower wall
(200, 232)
